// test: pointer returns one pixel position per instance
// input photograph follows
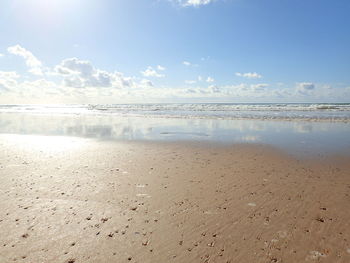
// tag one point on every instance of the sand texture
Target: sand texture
(88, 201)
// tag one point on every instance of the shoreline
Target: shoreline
(81, 200)
(307, 155)
(184, 117)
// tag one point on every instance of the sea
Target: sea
(309, 128)
(270, 111)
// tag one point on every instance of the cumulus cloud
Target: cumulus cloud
(39, 84)
(8, 80)
(259, 87)
(214, 89)
(78, 81)
(306, 86)
(146, 83)
(150, 72)
(75, 66)
(42, 91)
(240, 91)
(35, 65)
(82, 74)
(249, 75)
(210, 79)
(9, 75)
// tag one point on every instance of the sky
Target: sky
(146, 51)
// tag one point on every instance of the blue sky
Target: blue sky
(104, 51)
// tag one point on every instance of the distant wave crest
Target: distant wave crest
(285, 111)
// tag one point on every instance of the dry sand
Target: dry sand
(86, 201)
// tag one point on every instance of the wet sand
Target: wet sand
(79, 200)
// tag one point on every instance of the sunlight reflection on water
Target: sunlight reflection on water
(52, 144)
(293, 135)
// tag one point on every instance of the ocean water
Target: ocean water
(298, 128)
(301, 111)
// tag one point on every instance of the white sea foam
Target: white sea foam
(304, 111)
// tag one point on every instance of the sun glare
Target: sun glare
(47, 10)
(48, 144)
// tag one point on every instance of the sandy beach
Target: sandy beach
(174, 131)
(78, 200)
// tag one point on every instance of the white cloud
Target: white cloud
(214, 89)
(150, 72)
(78, 81)
(8, 75)
(82, 82)
(161, 68)
(1, 55)
(36, 71)
(194, 3)
(3, 87)
(8, 80)
(241, 91)
(261, 92)
(71, 66)
(249, 75)
(305, 88)
(210, 79)
(146, 83)
(259, 87)
(42, 91)
(200, 79)
(189, 64)
(81, 74)
(31, 61)
(39, 84)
